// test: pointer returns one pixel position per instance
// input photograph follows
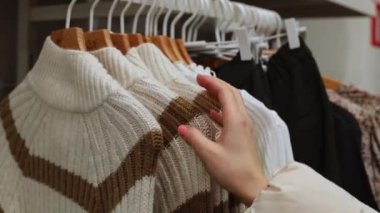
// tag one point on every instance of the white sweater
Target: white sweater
(183, 184)
(272, 135)
(295, 187)
(73, 140)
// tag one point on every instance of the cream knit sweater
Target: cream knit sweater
(183, 184)
(271, 132)
(73, 140)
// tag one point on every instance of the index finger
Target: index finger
(221, 91)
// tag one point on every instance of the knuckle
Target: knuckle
(231, 89)
(237, 92)
(245, 123)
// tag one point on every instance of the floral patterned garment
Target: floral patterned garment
(361, 97)
(366, 112)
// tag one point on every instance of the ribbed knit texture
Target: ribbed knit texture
(274, 144)
(73, 140)
(183, 184)
(166, 72)
(272, 134)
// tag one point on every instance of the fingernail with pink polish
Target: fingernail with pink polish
(182, 130)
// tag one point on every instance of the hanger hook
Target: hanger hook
(166, 19)
(157, 18)
(122, 16)
(196, 21)
(137, 16)
(218, 10)
(92, 11)
(202, 21)
(110, 14)
(279, 28)
(230, 13)
(69, 12)
(177, 18)
(148, 17)
(193, 9)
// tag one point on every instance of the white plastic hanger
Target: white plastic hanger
(263, 23)
(137, 15)
(157, 17)
(219, 10)
(122, 16)
(196, 20)
(69, 12)
(194, 8)
(262, 26)
(219, 15)
(260, 21)
(240, 14)
(202, 21)
(148, 19)
(156, 9)
(268, 24)
(91, 18)
(229, 18)
(167, 17)
(278, 30)
(276, 23)
(244, 44)
(292, 32)
(69, 38)
(110, 14)
(273, 24)
(223, 10)
(245, 36)
(181, 8)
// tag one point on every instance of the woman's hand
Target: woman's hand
(233, 161)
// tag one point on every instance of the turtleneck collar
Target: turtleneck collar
(70, 80)
(160, 66)
(119, 67)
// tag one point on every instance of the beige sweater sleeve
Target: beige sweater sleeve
(298, 188)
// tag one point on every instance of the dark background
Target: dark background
(8, 46)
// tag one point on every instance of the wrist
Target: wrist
(250, 192)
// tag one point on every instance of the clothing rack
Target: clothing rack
(58, 13)
(28, 15)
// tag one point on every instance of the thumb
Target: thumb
(202, 146)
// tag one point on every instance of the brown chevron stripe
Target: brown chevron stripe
(197, 204)
(180, 112)
(109, 193)
(93, 199)
(206, 102)
(1, 210)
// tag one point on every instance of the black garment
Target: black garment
(248, 76)
(299, 97)
(323, 135)
(348, 137)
